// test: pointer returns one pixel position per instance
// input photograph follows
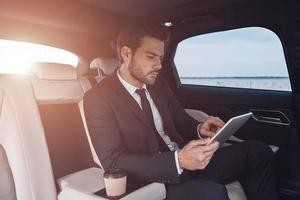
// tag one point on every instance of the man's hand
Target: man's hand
(196, 154)
(211, 126)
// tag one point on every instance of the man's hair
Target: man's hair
(132, 35)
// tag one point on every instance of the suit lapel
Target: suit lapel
(160, 105)
(162, 109)
(132, 104)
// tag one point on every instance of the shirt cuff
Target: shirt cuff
(198, 130)
(179, 169)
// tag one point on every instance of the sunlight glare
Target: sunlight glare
(16, 57)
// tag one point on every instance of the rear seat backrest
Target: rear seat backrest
(58, 93)
(104, 67)
(7, 185)
(70, 155)
(22, 137)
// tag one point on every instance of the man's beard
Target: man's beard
(138, 74)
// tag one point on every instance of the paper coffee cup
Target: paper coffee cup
(115, 182)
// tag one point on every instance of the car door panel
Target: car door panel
(228, 102)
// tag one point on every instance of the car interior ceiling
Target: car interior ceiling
(79, 26)
(88, 28)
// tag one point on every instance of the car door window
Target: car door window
(242, 58)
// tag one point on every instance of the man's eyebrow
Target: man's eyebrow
(154, 54)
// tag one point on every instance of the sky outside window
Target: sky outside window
(246, 52)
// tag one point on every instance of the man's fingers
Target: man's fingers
(207, 159)
(195, 143)
(218, 124)
(208, 133)
(204, 164)
(196, 154)
(207, 155)
(220, 120)
(216, 121)
(211, 147)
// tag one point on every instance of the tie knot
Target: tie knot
(140, 92)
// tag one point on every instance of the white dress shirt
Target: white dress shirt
(156, 117)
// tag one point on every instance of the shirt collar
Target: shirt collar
(130, 88)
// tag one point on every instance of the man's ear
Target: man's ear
(126, 53)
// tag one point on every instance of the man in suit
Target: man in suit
(137, 124)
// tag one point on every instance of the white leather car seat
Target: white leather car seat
(7, 185)
(103, 67)
(59, 94)
(23, 141)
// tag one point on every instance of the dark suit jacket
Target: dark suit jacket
(123, 137)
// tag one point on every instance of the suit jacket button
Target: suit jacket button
(159, 152)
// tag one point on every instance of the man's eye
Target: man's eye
(150, 57)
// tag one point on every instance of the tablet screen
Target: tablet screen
(230, 128)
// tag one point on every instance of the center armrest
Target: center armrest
(83, 185)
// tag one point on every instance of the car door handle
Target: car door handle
(270, 117)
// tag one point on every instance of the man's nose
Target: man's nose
(158, 64)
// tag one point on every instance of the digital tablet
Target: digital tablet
(230, 128)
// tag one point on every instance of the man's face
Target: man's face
(145, 64)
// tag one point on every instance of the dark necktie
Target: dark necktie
(148, 113)
(146, 106)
